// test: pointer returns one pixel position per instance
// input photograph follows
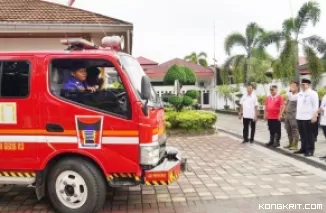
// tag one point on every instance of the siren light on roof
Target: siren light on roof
(113, 42)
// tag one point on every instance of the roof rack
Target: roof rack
(78, 44)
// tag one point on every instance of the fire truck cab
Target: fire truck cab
(73, 122)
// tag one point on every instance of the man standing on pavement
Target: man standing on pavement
(307, 108)
(249, 114)
(290, 123)
(273, 115)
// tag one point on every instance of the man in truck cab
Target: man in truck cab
(77, 81)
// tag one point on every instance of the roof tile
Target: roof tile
(38, 11)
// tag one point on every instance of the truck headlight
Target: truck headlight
(149, 153)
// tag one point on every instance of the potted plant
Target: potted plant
(261, 102)
(225, 92)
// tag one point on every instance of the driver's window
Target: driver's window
(94, 83)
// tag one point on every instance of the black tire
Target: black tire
(95, 183)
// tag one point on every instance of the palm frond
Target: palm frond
(271, 37)
(203, 62)
(253, 31)
(202, 55)
(317, 42)
(233, 60)
(309, 12)
(289, 26)
(235, 39)
(315, 65)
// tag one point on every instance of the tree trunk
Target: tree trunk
(296, 62)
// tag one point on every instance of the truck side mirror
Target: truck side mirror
(145, 88)
(145, 92)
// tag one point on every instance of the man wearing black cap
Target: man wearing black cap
(307, 107)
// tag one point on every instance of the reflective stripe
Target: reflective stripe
(64, 139)
(120, 140)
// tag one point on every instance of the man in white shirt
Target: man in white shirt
(307, 107)
(248, 112)
(322, 112)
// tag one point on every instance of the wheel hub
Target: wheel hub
(71, 189)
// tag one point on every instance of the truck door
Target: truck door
(18, 117)
(100, 124)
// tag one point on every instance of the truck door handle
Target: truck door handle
(54, 128)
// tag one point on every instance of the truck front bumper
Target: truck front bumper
(167, 172)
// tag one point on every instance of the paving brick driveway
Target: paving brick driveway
(223, 176)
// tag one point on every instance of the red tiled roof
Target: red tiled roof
(38, 11)
(161, 69)
(146, 61)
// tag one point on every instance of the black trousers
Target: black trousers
(316, 128)
(274, 126)
(246, 123)
(307, 135)
(324, 130)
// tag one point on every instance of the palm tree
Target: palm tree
(200, 58)
(292, 29)
(253, 43)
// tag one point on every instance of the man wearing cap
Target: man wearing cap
(307, 107)
(273, 114)
(249, 114)
(290, 122)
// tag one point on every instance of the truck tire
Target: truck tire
(76, 186)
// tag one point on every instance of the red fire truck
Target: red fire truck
(77, 120)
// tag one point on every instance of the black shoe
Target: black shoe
(251, 141)
(308, 154)
(245, 141)
(276, 145)
(269, 144)
(299, 152)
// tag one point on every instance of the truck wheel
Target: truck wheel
(76, 186)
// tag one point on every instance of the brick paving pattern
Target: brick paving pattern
(223, 175)
(232, 124)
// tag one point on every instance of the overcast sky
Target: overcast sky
(173, 28)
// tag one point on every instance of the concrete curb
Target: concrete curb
(281, 151)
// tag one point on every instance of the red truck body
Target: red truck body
(41, 129)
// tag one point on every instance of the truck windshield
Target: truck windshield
(135, 73)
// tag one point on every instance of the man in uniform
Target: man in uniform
(291, 125)
(249, 114)
(307, 107)
(273, 115)
(77, 81)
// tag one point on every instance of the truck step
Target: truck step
(17, 180)
(118, 182)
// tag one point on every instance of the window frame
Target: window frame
(50, 67)
(29, 62)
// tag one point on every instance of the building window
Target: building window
(14, 78)
(92, 83)
(206, 97)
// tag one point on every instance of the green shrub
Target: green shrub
(167, 124)
(190, 76)
(177, 102)
(187, 101)
(191, 120)
(194, 94)
(321, 92)
(175, 73)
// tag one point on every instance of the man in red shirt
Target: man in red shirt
(273, 114)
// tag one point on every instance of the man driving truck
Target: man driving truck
(77, 81)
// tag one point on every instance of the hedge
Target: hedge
(190, 120)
